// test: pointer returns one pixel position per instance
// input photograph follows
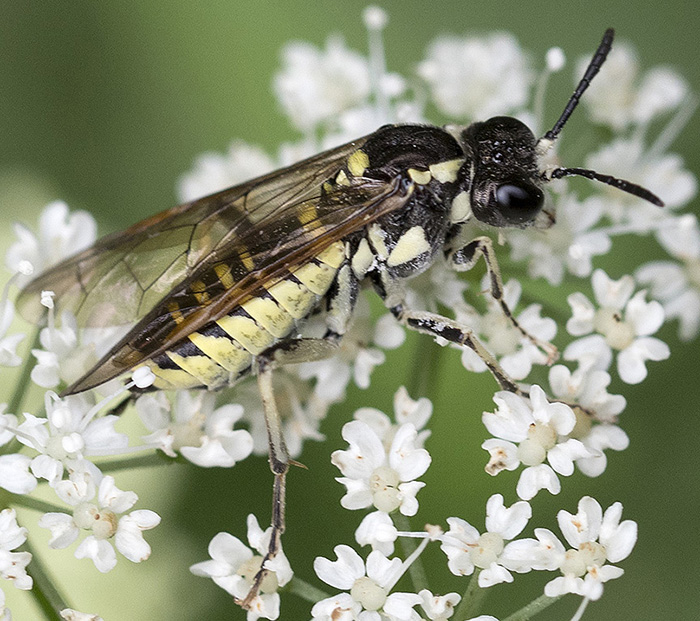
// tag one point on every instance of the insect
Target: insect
(219, 288)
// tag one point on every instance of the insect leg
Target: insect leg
(279, 464)
(305, 349)
(437, 325)
(464, 258)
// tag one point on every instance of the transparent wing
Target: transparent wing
(124, 275)
(175, 272)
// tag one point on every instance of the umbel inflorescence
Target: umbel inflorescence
(560, 417)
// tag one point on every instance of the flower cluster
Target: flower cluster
(557, 420)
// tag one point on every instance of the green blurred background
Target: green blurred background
(105, 104)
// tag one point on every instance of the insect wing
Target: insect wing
(174, 272)
(118, 280)
(282, 244)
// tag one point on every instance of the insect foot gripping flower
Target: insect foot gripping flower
(234, 566)
(528, 432)
(100, 518)
(624, 323)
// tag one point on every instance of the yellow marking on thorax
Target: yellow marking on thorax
(247, 332)
(175, 313)
(294, 297)
(461, 209)
(376, 237)
(445, 172)
(421, 177)
(411, 245)
(200, 291)
(357, 163)
(224, 351)
(223, 273)
(362, 259)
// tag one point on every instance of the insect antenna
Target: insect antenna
(591, 71)
(620, 184)
(548, 139)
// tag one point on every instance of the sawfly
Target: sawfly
(219, 288)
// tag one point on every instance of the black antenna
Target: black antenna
(593, 68)
(620, 184)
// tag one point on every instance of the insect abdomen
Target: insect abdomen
(223, 351)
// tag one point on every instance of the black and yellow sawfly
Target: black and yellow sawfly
(219, 288)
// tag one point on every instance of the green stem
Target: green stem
(35, 504)
(21, 387)
(129, 463)
(534, 607)
(425, 368)
(44, 591)
(305, 590)
(417, 572)
(472, 599)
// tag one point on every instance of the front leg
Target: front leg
(464, 258)
(437, 325)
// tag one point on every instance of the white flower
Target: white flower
(8, 344)
(620, 96)
(8, 423)
(587, 387)
(477, 77)
(568, 246)
(440, 285)
(406, 410)
(515, 352)
(213, 172)
(438, 607)
(100, 518)
(369, 588)
(14, 473)
(677, 285)
(376, 476)
(13, 564)
(595, 539)
(70, 432)
(528, 432)
(316, 85)
(377, 530)
(623, 322)
(61, 234)
(467, 550)
(233, 567)
(74, 615)
(203, 435)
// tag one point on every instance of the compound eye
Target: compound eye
(518, 203)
